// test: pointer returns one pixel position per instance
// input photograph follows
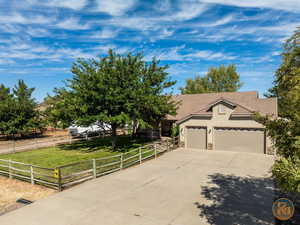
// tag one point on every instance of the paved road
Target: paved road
(183, 187)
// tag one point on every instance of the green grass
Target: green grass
(78, 151)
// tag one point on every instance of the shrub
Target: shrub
(286, 172)
(175, 131)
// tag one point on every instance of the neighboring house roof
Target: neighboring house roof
(244, 103)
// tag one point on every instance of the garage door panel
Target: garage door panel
(196, 137)
(239, 140)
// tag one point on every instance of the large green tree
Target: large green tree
(285, 131)
(116, 90)
(18, 110)
(219, 79)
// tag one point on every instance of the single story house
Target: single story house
(223, 121)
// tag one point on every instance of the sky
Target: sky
(40, 39)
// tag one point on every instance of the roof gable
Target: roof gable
(244, 103)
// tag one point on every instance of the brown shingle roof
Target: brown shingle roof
(192, 103)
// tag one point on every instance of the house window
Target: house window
(221, 109)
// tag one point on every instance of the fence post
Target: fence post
(94, 168)
(35, 141)
(31, 175)
(121, 161)
(168, 147)
(140, 153)
(173, 143)
(59, 179)
(155, 151)
(9, 169)
(14, 145)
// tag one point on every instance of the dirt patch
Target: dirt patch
(11, 190)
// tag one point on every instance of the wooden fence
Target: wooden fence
(14, 146)
(68, 175)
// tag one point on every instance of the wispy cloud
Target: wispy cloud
(187, 10)
(289, 5)
(103, 34)
(6, 61)
(210, 55)
(114, 7)
(17, 18)
(38, 32)
(182, 53)
(72, 24)
(71, 4)
(225, 20)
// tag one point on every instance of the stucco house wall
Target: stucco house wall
(222, 114)
(218, 120)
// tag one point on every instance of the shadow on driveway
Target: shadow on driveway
(237, 200)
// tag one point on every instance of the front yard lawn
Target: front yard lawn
(78, 151)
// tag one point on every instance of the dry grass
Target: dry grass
(11, 190)
(56, 133)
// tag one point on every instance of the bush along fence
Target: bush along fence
(68, 175)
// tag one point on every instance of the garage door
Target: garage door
(196, 137)
(239, 140)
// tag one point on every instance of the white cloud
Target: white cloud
(71, 4)
(219, 22)
(163, 5)
(288, 5)
(20, 19)
(72, 24)
(103, 49)
(162, 34)
(9, 28)
(139, 23)
(276, 53)
(187, 10)
(210, 55)
(115, 7)
(37, 32)
(181, 53)
(6, 61)
(104, 34)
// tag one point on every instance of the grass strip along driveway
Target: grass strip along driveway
(75, 162)
(78, 151)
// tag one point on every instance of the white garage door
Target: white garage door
(196, 137)
(239, 139)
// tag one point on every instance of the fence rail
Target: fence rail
(74, 173)
(13, 146)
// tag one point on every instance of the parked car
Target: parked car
(92, 130)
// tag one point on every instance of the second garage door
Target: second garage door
(196, 137)
(239, 139)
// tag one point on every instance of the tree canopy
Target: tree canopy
(114, 89)
(285, 131)
(219, 79)
(18, 110)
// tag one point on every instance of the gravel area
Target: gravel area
(11, 190)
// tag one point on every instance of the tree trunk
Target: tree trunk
(114, 136)
(135, 125)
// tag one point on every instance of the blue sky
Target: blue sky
(40, 39)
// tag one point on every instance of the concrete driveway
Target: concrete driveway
(183, 187)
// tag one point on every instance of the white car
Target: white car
(87, 131)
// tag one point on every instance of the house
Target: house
(223, 121)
